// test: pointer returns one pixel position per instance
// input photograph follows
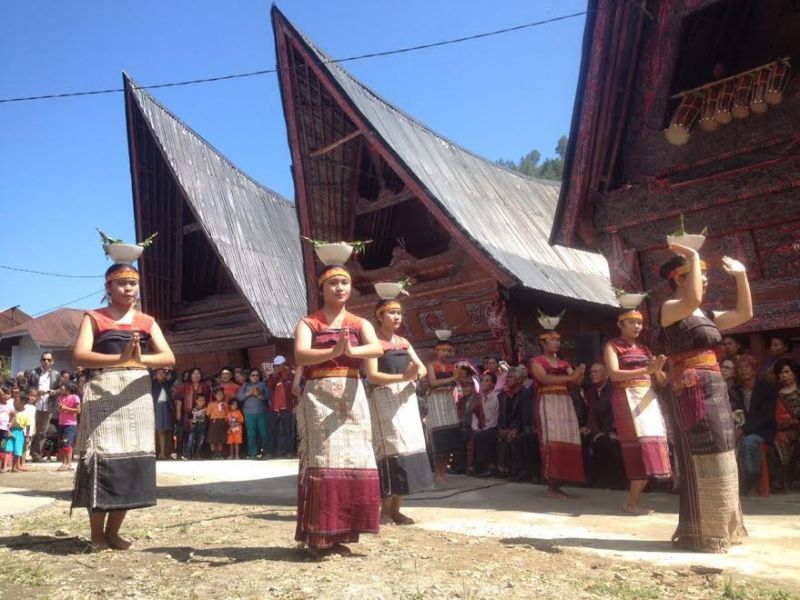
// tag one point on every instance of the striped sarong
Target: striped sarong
(444, 427)
(560, 440)
(116, 443)
(641, 431)
(398, 440)
(338, 491)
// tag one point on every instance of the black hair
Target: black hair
(71, 388)
(67, 372)
(320, 272)
(668, 267)
(45, 352)
(492, 375)
(120, 267)
(5, 388)
(787, 362)
(201, 395)
(783, 337)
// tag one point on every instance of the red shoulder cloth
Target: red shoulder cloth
(103, 321)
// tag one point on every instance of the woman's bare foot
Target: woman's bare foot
(117, 543)
(637, 510)
(439, 479)
(386, 519)
(402, 519)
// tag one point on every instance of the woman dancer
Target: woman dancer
(640, 425)
(444, 427)
(338, 489)
(560, 439)
(710, 517)
(397, 435)
(117, 469)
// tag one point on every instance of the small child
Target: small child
(199, 423)
(20, 423)
(6, 416)
(69, 407)
(217, 413)
(235, 420)
(30, 410)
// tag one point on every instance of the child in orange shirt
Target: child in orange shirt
(217, 434)
(235, 420)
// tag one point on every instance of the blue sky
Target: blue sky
(64, 163)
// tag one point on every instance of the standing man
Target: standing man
(282, 436)
(45, 379)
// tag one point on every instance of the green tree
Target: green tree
(550, 168)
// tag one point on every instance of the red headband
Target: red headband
(126, 273)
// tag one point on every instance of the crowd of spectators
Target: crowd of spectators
(500, 434)
(240, 412)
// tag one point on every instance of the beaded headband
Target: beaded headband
(126, 273)
(630, 314)
(677, 271)
(333, 272)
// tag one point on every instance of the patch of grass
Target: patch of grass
(27, 574)
(623, 590)
(733, 591)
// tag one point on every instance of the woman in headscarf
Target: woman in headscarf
(117, 469)
(338, 487)
(397, 435)
(710, 517)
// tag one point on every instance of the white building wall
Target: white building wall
(26, 354)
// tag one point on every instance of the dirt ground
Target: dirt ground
(225, 530)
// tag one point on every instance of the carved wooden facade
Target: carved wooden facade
(626, 186)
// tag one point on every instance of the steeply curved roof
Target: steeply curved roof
(253, 229)
(470, 188)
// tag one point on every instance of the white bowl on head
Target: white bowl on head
(690, 240)
(443, 334)
(549, 322)
(630, 300)
(388, 291)
(334, 254)
(123, 253)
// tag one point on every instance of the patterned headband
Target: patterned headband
(333, 272)
(550, 335)
(630, 314)
(677, 271)
(126, 273)
(393, 305)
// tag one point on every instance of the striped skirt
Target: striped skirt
(116, 442)
(398, 440)
(641, 432)
(560, 440)
(710, 515)
(338, 493)
(444, 427)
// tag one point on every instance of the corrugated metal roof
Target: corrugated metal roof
(57, 329)
(470, 188)
(253, 229)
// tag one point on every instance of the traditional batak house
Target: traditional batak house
(689, 107)
(471, 235)
(223, 277)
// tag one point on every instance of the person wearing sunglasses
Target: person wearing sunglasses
(45, 379)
